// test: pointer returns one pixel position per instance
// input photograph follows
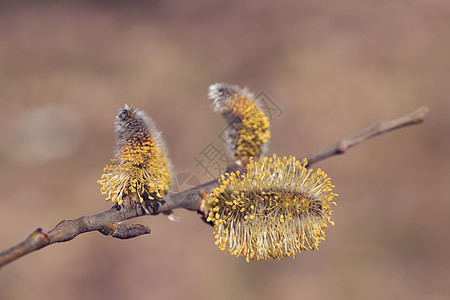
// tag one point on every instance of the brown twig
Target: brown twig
(377, 128)
(109, 221)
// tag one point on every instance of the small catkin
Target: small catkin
(248, 129)
(140, 168)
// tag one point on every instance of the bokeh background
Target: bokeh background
(332, 68)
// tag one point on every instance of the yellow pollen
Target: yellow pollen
(282, 213)
(139, 170)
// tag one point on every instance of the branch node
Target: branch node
(421, 114)
(107, 229)
(129, 231)
(39, 238)
(342, 147)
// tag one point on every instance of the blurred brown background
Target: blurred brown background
(332, 67)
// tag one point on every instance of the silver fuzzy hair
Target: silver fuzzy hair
(131, 123)
(220, 95)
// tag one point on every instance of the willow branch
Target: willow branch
(109, 221)
(377, 128)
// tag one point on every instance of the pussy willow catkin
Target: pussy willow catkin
(276, 209)
(248, 129)
(140, 168)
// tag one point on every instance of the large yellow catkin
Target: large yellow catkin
(276, 209)
(140, 168)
